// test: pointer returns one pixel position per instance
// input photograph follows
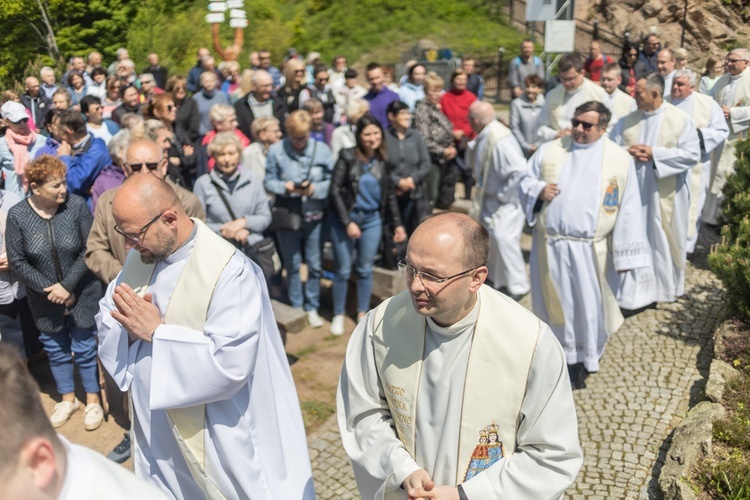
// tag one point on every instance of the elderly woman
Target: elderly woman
(188, 117)
(408, 166)
(208, 97)
(296, 82)
(112, 98)
(343, 135)
(46, 245)
(266, 131)
(437, 131)
(112, 175)
(362, 201)
(234, 199)
(232, 81)
(524, 114)
(298, 172)
(18, 147)
(223, 119)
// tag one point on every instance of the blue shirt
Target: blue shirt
(369, 193)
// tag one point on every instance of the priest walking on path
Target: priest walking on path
(712, 131)
(732, 93)
(498, 163)
(187, 327)
(664, 143)
(581, 196)
(452, 390)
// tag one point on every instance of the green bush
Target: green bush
(730, 260)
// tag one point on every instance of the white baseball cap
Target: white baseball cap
(14, 111)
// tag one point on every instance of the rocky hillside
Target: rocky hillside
(712, 26)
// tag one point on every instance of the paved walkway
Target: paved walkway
(652, 371)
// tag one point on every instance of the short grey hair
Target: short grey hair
(686, 73)
(118, 147)
(655, 81)
(356, 108)
(261, 73)
(46, 69)
(743, 53)
(220, 112)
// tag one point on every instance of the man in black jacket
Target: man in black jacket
(259, 102)
(35, 101)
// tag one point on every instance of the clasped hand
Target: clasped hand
(420, 486)
(641, 152)
(235, 230)
(138, 315)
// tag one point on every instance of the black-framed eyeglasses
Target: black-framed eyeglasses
(428, 279)
(137, 167)
(735, 61)
(136, 237)
(586, 125)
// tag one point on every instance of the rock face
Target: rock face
(712, 27)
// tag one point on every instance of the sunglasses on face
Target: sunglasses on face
(586, 125)
(139, 166)
(170, 107)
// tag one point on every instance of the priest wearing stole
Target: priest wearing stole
(187, 327)
(732, 93)
(581, 196)
(664, 143)
(452, 390)
(561, 102)
(712, 132)
(498, 163)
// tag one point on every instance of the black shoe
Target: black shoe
(577, 374)
(122, 451)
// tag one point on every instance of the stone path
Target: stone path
(652, 371)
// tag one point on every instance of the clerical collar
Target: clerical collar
(183, 251)
(578, 145)
(461, 326)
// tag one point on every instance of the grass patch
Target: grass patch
(315, 413)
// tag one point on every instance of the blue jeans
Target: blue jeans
(291, 244)
(82, 343)
(343, 249)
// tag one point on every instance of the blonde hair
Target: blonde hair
(246, 81)
(220, 112)
(290, 72)
(298, 122)
(432, 80)
(262, 123)
(223, 140)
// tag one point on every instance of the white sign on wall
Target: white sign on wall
(559, 36)
(540, 10)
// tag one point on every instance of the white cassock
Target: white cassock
(668, 79)
(237, 367)
(734, 94)
(91, 476)
(548, 454)
(571, 220)
(712, 131)
(549, 124)
(501, 213)
(664, 279)
(621, 104)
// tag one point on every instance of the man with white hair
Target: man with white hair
(259, 102)
(126, 72)
(122, 53)
(712, 131)
(498, 164)
(94, 61)
(664, 143)
(732, 93)
(665, 66)
(49, 85)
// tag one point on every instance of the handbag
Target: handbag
(263, 252)
(286, 213)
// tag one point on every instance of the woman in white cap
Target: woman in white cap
(18, 147)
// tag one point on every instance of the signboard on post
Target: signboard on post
(559, 36)
(540, 10)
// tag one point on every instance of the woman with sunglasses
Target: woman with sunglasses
(188, 117)
(627, 63)
(46, 237)
(181, 152)
(296, 82)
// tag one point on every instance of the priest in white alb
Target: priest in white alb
(732, 93)
(712, 132)
(581, 196)
(664, 143)
(561, 102)
(451, 389)
(187, 327)
(620, 103)
(498, 163)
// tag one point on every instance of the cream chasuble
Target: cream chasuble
(581, 239)
(219, 389)
(713, 130)
(666, 199)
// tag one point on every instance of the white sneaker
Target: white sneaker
(93, 416)
(337, 325)
(314, 319)
(62, 412)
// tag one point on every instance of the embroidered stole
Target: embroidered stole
(497, 132)
(188, 307)
(500, 351)
(611, 190)
(556, 99)
(670, 129)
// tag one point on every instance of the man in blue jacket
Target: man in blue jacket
(83, 154)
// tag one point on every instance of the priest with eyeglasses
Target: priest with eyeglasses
(452, 390)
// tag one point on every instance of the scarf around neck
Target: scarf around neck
(19, 148)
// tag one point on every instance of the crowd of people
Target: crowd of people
(613, 165)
